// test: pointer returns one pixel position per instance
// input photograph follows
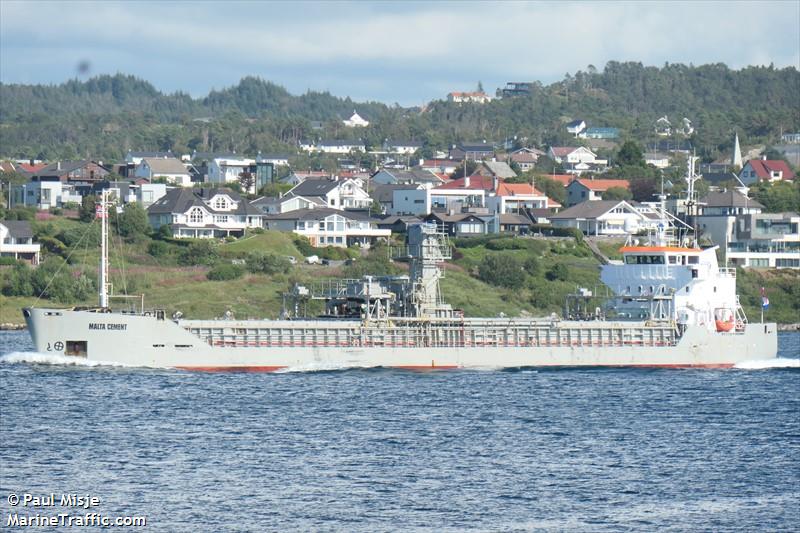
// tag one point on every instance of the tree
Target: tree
(267, 263)
(551, 188)
(132, 224)
(630, 154)
(643, 189)
(617, 193)
(503, 270)
(86, 213)
(471, 167)
(247, 181)
(480, 86)
(557, 272)
(202, 252)
(778, 197)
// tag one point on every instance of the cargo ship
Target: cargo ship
(670, 305)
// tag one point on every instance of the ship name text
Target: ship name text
(113, 327)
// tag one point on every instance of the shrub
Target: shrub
(557, 272)
(199, 253)
(86, 235)
(303, 245)
(52, 245)
(225, 272)
(164, 232)
(57, 211)
(132, 223)
(18, 282)
(267, 263)
(21, 213)
(5, 261)
(158, 249)
(503, 270)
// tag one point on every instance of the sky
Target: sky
(393, 52)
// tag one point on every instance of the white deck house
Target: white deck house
(170, 169)
(324, 226)
(16, 240)
(749, 237)
(204, 213)
(607, 217)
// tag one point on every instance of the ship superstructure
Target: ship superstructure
(672, 305)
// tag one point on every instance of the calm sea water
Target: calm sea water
(380, 450)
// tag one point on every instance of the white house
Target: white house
(204, 213)
(356, 121)
(228, 169)
(329, 227)
(170, 169)
(515, 198)
(573, 155)
(605, 217)
(401, 147)
(279, 160)
(576, 126)
(477, 97)
(333, 192)
(749, 237)
(284, 204)
(133, 158)
(43, 194)
(16, 240)
(340, 147)
(149, 193)
(396, 177)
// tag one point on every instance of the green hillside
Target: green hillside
(104, 116)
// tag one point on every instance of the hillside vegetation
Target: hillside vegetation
(103, 117)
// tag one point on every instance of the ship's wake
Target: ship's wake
(765, 364)
(37, 358)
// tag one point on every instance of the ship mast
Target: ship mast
(101, 212)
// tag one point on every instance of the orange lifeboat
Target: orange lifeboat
(723, 325)
(723, 318)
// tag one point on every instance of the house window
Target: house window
(759, 263)
(222, 219)
(787, 263)
(330, 225)
(220, 203)
(339, 240)
(470, 227)
(583, 194)
(196, 216)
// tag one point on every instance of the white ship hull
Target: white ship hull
(146, 341)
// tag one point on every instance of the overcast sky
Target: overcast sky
(409, 52)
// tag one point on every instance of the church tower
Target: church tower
(736, 160)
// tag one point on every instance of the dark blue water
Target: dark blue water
(379, 450)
